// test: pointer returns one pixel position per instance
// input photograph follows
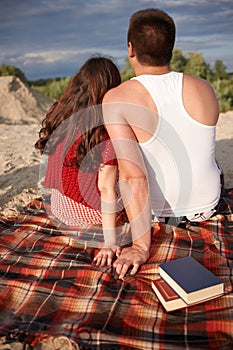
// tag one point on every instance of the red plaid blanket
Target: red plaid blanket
(49, 287)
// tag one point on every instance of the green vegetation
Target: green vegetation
(52, 87)
(127, 72)
(193, 63)
(12, 70)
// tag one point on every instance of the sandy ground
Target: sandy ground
(224, 146)
(20, 162)
(19, 166)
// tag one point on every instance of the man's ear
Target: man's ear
(131, 52)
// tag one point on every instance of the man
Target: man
(162, 125)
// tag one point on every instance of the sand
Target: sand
(224, 146)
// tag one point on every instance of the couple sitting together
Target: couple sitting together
(145, 147)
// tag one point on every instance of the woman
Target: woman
(82, 169)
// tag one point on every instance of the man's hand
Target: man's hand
(130, 256)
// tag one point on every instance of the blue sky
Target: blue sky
(53, 38)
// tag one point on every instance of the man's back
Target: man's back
(178, 148)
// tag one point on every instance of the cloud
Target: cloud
(63, 33)
(57, 62)
(54, 56)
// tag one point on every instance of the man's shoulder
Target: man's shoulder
(196, 81)
(124, 92)
(200, 100)
(197, 86)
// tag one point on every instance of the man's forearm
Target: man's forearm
(135, 195)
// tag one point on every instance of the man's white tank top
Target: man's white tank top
(184, 178)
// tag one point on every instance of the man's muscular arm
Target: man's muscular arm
(133, 183)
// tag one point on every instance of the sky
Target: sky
(53, 38)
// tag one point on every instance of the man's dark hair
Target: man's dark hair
(152, 34)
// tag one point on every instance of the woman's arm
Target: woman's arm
(107, 187)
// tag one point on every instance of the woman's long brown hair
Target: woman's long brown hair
(86, 89)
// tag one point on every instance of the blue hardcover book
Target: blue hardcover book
(191, 280)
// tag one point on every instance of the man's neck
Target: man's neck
(153, 70)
